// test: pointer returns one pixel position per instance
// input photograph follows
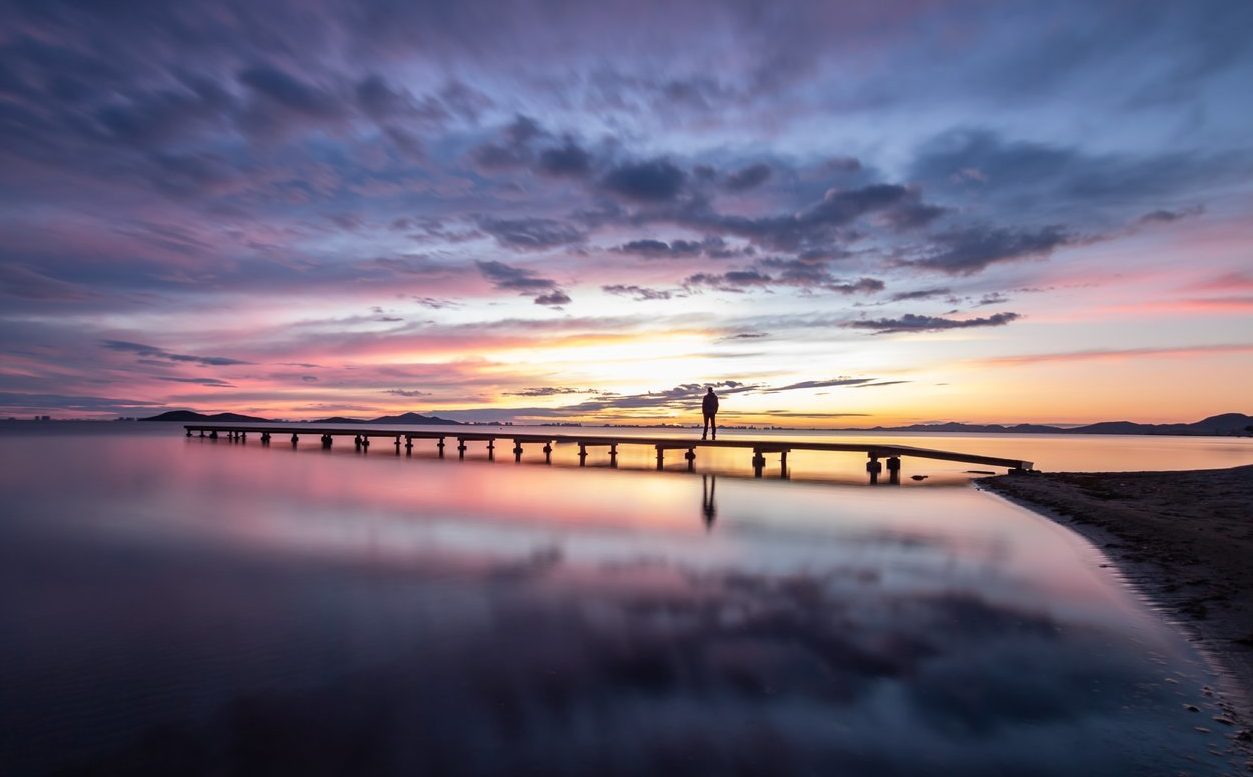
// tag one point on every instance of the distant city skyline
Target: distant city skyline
(837, 214)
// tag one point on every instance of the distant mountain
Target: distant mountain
(338, 419)
(412, 418)
(187, 416)
(1219, 425)
(1225, 424)
(954, 426)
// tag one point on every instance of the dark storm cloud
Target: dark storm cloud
(654, 180)
(638, 293)
(531, 234)
(152, 352)
(916, 323)
(969, 250)
(748, 177)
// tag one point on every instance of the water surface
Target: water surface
(176, 606)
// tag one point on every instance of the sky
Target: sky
(837, 214)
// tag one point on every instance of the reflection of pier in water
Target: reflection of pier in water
(891, 454)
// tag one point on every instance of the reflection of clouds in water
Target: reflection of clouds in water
(711, 672)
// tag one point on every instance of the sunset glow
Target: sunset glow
(839, 215)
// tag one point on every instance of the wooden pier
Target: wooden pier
(361, 436)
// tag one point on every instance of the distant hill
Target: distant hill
(338, 419)
(1226, 424)
(187, 416)
(412, 418)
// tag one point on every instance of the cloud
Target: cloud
(201, 381)
(972, 249)
(553, 299)
(549, 391)
(915, 323)
(902, 296)
(567, 160)
(152, 352)
(748, 177)
(1167, 216)
(639, 293)
(531, 234)
(407, 393)
(831, 383)
(654, 180)
(1113, 354)
(508, 278)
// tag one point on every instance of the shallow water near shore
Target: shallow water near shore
(187, 606)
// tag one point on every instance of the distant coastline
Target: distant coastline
(1223, 425)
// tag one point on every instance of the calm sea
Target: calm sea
(187, 606)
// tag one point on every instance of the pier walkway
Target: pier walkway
(361, 437)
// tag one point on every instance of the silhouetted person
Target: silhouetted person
(709, 406)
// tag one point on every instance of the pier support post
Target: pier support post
(873, 468)
(243, 436)
(759, 462)
(548, 452)
(691, 459)
(408, 445)
(265, 438)
(365, 444)
(661, 457)
(461, 447)
(326, 441)
(783, 464)
(294, 440)
(397, 445)
(213, 435)
(202, 432)
(356, 442)
(894, 470)
(189, 433)
(440, 445)
(491, 449)
(582, 455)
(517, 450)
(613, 455)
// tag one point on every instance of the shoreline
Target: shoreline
(1184, 539)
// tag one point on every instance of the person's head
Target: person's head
(711, 389)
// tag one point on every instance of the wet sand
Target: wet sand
(1184, 538)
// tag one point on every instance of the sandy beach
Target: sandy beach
(1184, 538)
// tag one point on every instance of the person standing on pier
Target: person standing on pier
(709, 406)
